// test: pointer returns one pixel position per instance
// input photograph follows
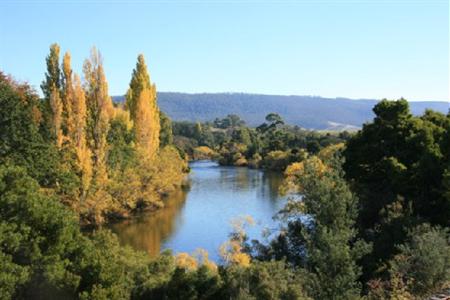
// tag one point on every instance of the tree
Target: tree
(321, 235)
(144, 111)
(423, 261)
(262, 280)
(398, 159)
(78, 136)
(274, 118)
(53, 74)
(51, 87)
(166, 134)
(39, 240)
(68, 122)
(100, 110)
(20, 138)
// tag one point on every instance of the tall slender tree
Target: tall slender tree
(79, 134)
(100, 110)
(67, 98)
(51, 86)
(142, 104)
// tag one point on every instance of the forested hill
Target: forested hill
(310, 112)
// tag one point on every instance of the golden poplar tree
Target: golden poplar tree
(100, 110)
(142, 104)
(79, 134)
(67, 99)
(56, 120)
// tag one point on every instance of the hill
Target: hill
(310, 112)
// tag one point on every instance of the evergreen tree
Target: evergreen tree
(321, 235)
(166, 134)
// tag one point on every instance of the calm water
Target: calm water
(200, 217)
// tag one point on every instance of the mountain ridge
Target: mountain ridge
(311, 112)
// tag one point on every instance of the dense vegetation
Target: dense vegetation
(368, 218)
(272, 145)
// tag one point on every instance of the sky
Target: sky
(333, 48)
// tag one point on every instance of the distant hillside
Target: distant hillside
(305, 111)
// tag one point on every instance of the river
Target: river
(200, 217)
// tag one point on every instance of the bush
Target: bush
(424, 260)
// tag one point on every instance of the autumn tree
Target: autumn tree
(68, 125)
(99, 109)
(144, 111)
(79, 134)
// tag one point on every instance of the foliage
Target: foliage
(423, 260)
(273, 145)
(320, 235)
(398, 156)
(166, 133)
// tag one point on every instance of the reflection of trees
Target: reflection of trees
(243, 178)
(148, 231)
(271, 182)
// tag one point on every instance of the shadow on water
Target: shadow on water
(201, 216)
(148, 231)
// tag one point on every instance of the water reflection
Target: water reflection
(200, 217)
(148, 231)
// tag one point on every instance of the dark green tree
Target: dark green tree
(398, 159)
(166, 134)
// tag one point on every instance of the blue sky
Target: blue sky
(333, 48)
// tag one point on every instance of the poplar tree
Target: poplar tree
(144, 111)
(53, 74)
(51, 86)
(100, 110)
(67, 98)
(79, 134)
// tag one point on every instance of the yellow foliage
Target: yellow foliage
(327, 153)
(277, 160)
(296, 171)
(68, 99)
(231, 250)
(241, 161)
(124, 117)
(142, 105)
(147, 125)
(57, 109)
(100, 110)
(192, 262)
(204, 152)
(185, 261)
(80, 118)
(79, 134)
(231, 253)
(203, 259)
(147, 182)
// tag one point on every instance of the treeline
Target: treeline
(273, 145)
(102, 160)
